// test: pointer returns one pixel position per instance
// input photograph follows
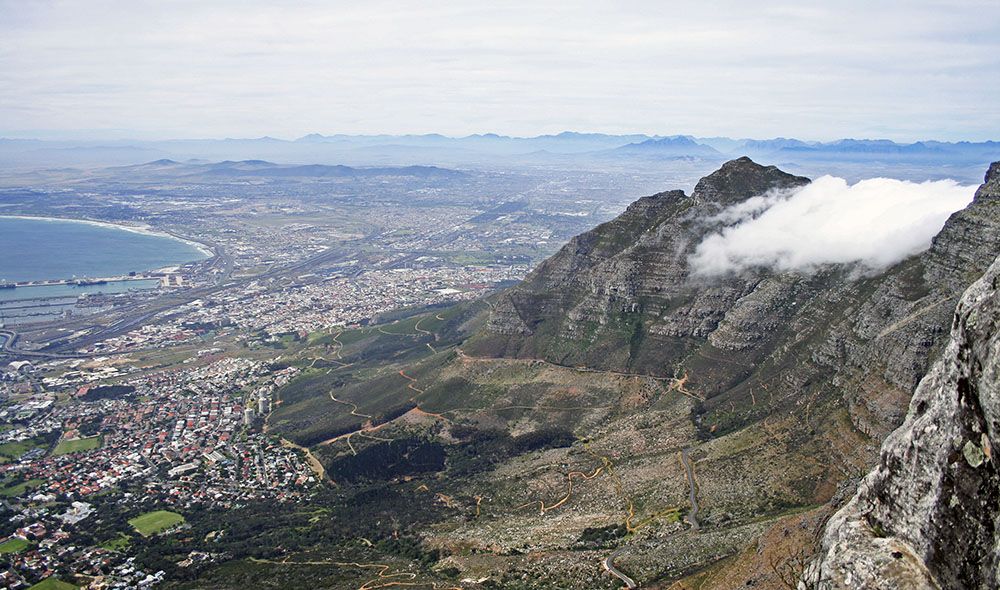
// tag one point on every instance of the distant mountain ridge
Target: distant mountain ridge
(263, 168)
(917, 160)
(668, 146)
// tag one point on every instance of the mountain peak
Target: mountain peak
(742, 178)
(993, 173)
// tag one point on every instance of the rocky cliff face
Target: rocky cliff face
(929, 515)
(618, 297)
(622, 297)
(773, 394)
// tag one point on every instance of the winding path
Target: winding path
(609, 566)
(691, 517)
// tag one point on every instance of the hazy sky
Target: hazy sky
(904, 70)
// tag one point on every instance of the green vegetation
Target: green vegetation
(154, 522)
(107, 392)
(472, 258)
(389, 460)
(12, 451)
(53, 584)
(263, 534)
(598, 537)
(13, 545)
(12, 490)
(77, 445)
(120, 543)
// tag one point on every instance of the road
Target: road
(121, 322)
(8, 338)
(692, 517)
(609, 565)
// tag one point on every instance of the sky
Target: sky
(904, 70)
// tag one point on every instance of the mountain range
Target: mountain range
(615, 411)
(263, 169)
(926, 159)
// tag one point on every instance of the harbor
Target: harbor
(79, 282)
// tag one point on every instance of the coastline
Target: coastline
(144, 229)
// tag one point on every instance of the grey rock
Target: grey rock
(621, 297)
(929, 515)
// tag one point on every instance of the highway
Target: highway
(9, 337)
(129, 319)
(123, 321)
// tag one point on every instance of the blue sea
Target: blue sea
(36, 249)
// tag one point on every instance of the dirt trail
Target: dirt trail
(354, 406)
(410, 385)
(675, 383)
(417, 409)
(383, 579)
(311, 459)
(569, 491)
(362, 430)
(417, 328)
(916, 314)
(340, 345)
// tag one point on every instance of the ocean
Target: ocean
(34, 249)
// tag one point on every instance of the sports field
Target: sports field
(76, 445)
(52, 584)
(155, 522)
(13, 545)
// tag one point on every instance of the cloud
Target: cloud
(876, 223)
(903, 69)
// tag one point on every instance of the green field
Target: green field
(76, 445)
(11, 491)
(120, 543)
(155, 522)
(12, 451)
(52, 584)
(13, 545)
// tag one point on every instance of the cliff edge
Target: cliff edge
(927, 516)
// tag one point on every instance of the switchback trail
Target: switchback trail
(384, 579)
(569, 491)
(353, 406)
(674, 383)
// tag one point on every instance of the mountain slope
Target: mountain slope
(928, 516)
(622, 297)
(613, 393)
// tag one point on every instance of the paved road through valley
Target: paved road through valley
(609, 565)
(692, 517)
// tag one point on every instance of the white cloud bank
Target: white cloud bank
(876, 222)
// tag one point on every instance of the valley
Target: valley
(610, 418)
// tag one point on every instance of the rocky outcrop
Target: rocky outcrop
(622, 297)
(929, 515)
(619, 296)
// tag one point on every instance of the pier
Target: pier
(81, 282)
